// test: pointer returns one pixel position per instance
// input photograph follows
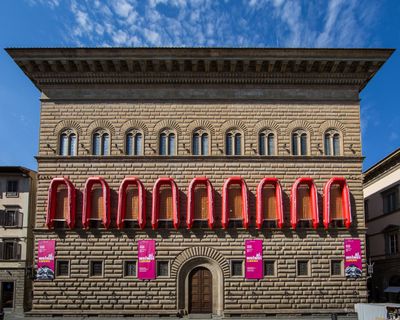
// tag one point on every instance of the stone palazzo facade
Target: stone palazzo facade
(166, 116)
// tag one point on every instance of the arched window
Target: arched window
(266, 143)
(304, 203)
(131, 203)
(269, 203)
(134, 143)
(200, 143)
(233, 143)
(96, 203)
(200, 202)
(68, 145)
(332, 143)
(167, 144)
(61, 204)
(101, 143)
(299, 142)
(337, 207)
(235, 202)
(165, 203)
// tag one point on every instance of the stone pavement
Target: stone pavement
(278, 317)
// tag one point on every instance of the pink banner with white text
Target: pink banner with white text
(46, 254)
(352, 258)
(146, 259)
(254, 259)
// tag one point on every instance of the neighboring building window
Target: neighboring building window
(101, 143)
(233, 143)
(12, 188)
(96, 268)
(266, 143)
(366, 209)
(390, 200)
(200, 143)
(62, 268)
(303, 268)
(269, 268)
(129, 268)
(332, 143)
(336, 268)
(299, 143)
(68, 145)
(237, 268)
(11, 217)
(10, 249)
(134, 143)
(167, 144)
(392, 242)
(162, 268)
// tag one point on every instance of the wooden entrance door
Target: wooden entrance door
(200, 291)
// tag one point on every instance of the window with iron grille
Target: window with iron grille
(336, 268)
(10, 250)
(269, 268)
(162, 268)
(62, 268)
(96, 268)
(303, 268)
(237, 268)
(130, 269)
(12, 188)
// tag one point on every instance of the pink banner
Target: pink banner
(254, 259)
(146, 259)
(46, 254)
(352, 258)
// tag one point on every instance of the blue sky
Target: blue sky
(238, 23)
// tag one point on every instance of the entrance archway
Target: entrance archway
(185, 266)
(200, 291)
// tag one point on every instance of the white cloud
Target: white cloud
(289, 23)
(153, 37)
(122, 7)
(51, 3)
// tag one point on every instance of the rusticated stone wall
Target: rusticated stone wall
(283, 293)
(184, 117)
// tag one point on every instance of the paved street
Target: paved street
(293, 317)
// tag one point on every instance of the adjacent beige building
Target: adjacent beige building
(382, 210)
(162, 117)
(17, 214)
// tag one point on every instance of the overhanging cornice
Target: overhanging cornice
(184, 66)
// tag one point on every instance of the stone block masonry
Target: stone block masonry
(309, 97)
(285, 292)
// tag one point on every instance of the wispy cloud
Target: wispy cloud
(288, 23)
(51, 3)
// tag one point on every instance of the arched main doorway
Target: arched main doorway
(200, 290)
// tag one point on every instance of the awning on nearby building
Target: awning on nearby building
(392, 290)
